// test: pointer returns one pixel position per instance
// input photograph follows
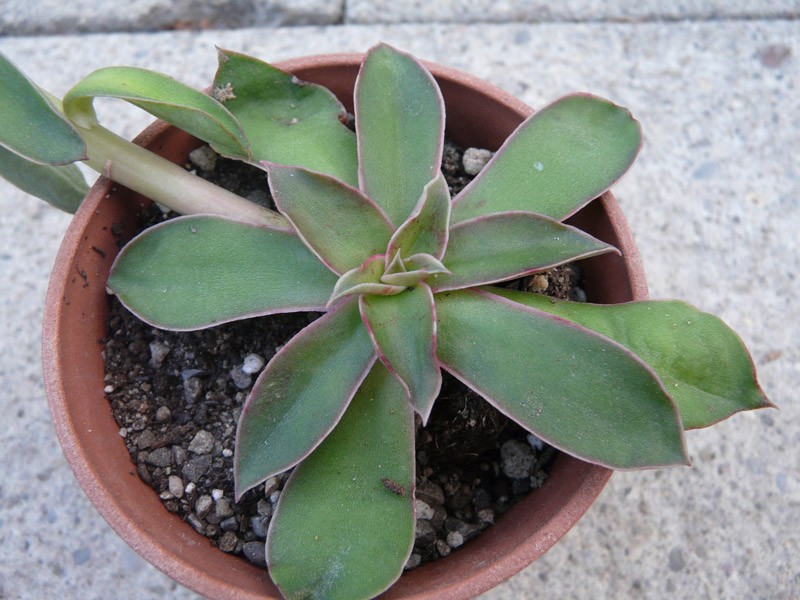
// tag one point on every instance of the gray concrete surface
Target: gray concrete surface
(26, 17)
(713, 203)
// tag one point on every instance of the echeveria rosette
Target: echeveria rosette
(402, 272)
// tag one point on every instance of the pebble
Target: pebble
(161, 457)
(195, 522)
(486, 516)
(259, 526)
(475, 159)
(270, 485)
(535, 442)
(217, 494)
(108, 389)
(430, 493)
(516, 459)
(196, 467)
(240, 379)
(264, 508)
(539, 283)
(189, 488)
(455, 539)
(192, 389)
(223, 508)
(158, 352)
(203, 505)
(227, 452)
(175, 486)
(413, 561)
(229, 524)
(204, 158)
(255, 553)
(162, 414)
(481, 499)
(424, 533)
(275, 496)
(442, 548)
(179, 454)
(422, 510)
(202, 442)
(146, 439)
(123, 431)
(253, 363)
(227, 541)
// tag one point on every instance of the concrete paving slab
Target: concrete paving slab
(713, 203)
(578, 11)
(20, 17)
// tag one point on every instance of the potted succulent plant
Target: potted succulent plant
(366, 232)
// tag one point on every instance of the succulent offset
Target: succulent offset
(367, 233)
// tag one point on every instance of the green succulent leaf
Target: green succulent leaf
(426, 230)
(556, 161)
(62, 186)
(365, 279)
(403, 329)
(197, 271)
(301, 395)
(31, 127)
(701, 362)
(336, 221)
(577, 390)
(163, 97)
(353, 540)
(504, 246)
(288, 121)
(400, 129)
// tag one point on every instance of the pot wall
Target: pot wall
(478, 114)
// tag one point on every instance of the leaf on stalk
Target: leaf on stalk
(400, 129)
(301, 395)
(288, 121)
(426, 230)
(503, 246)
(403, 329)
(365, 279)
(163, 97)
(702, 363)
(556, 161)
(30, 126)
(336, 221)
(62, 186)
(352, 539)
(580, 392)
(197, 271)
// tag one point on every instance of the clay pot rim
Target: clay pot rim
(175, 566)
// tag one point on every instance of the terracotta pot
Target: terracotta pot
(478, 114)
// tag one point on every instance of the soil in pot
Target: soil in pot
(177, 397)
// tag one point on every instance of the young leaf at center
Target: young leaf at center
(403, 329)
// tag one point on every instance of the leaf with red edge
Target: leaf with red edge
(400, 129)
(337, 222)
(557, 160)
(578, 391)
(301, 395)
(504, 246)
(344, 525)
(403, 329)
(703, 364)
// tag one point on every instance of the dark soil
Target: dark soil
(177, 397)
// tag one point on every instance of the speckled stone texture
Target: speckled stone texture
(713, 203)
(26, 17)
(503, 11)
